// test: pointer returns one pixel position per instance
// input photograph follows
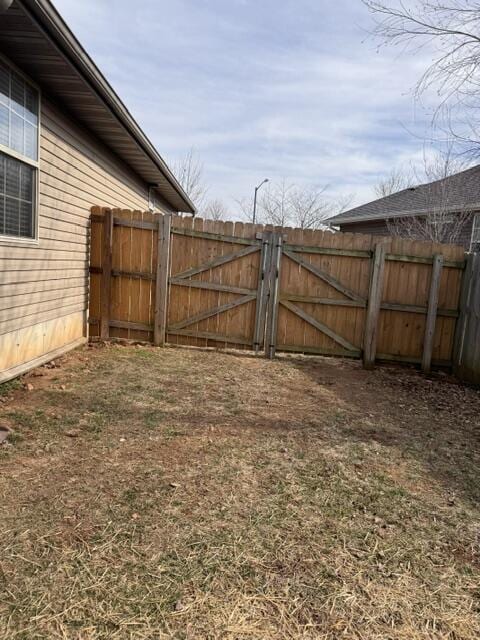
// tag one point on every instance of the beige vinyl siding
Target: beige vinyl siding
(44, 286)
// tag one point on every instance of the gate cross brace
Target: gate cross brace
(333, 282)
(318, 325)
(211, 312)
(217, 262)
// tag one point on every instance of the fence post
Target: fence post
(106, 280)
(273, 300)
(161, 279)
(373, 306)
(262, 292)
(461, 326)
(431, 319)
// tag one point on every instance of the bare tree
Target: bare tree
(286, 204)
(245, 206)
(310, 208)
(189, 172)
(215, 210)
(452, 29)
(445, 216)
(342, 203)
(275, 203)
(396, 180)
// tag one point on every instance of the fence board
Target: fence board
(327, 281)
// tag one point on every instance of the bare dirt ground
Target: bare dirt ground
(191, 494)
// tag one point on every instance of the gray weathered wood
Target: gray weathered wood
(120, 222)
(137, 275)
(453, 264)
(106, 279)
(390, 357)
(467, 338)
(387, 306)
(135, 224)
(207, 235)
(460, 328)
(134, 326)
(262, 293)
(432, 312)
(210, 312)
(211, 286)
(162, 276)
(211, 336)
(413, 308)
(328, 251)
(335, 302)
(216, 262)
(319, 325)
(320, 351)
(273, 295)
(373, 306)
(333, 282)
(123, 324)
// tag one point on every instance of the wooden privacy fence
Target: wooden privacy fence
(224, 284)
(467, 335)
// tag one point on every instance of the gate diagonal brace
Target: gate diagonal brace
(211, 312)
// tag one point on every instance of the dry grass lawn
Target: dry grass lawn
(191, 494)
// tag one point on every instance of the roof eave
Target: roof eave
(400, 214)
(58, 32)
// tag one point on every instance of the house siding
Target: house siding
(44, 287)
(380, 228)
(373, 227)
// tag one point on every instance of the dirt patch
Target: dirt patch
(175, 493)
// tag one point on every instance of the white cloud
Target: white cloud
(289, 89)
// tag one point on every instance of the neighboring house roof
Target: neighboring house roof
(33, 33)
(457, 193)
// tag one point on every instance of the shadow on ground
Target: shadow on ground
(434, 419)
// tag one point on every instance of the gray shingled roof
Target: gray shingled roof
(457, 193)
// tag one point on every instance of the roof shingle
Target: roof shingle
(456, 193)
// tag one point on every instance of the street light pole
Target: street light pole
(255, 199)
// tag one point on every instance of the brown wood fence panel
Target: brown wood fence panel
(226, 283)
(298, 284)
(406, 288)
(133, 263)
(231, 284)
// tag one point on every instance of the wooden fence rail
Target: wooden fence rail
(223, 284)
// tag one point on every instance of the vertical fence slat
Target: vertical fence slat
(273, 301)
(432, 312)
(161, 277)
(460, 329)
(414, 338)
(262, 291)
(373, 307)
(106, 280)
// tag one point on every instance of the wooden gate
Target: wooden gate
(218, 292)
(168, 278)
(363, 296)
(223, 284)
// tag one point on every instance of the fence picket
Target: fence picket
(327, 276)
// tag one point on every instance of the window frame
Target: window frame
(18, 240)
(475, 229)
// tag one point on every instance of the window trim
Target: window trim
(13, 241)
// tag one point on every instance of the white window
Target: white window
(19, 144)
(475, 244)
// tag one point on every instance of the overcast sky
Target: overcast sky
(291, 89)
